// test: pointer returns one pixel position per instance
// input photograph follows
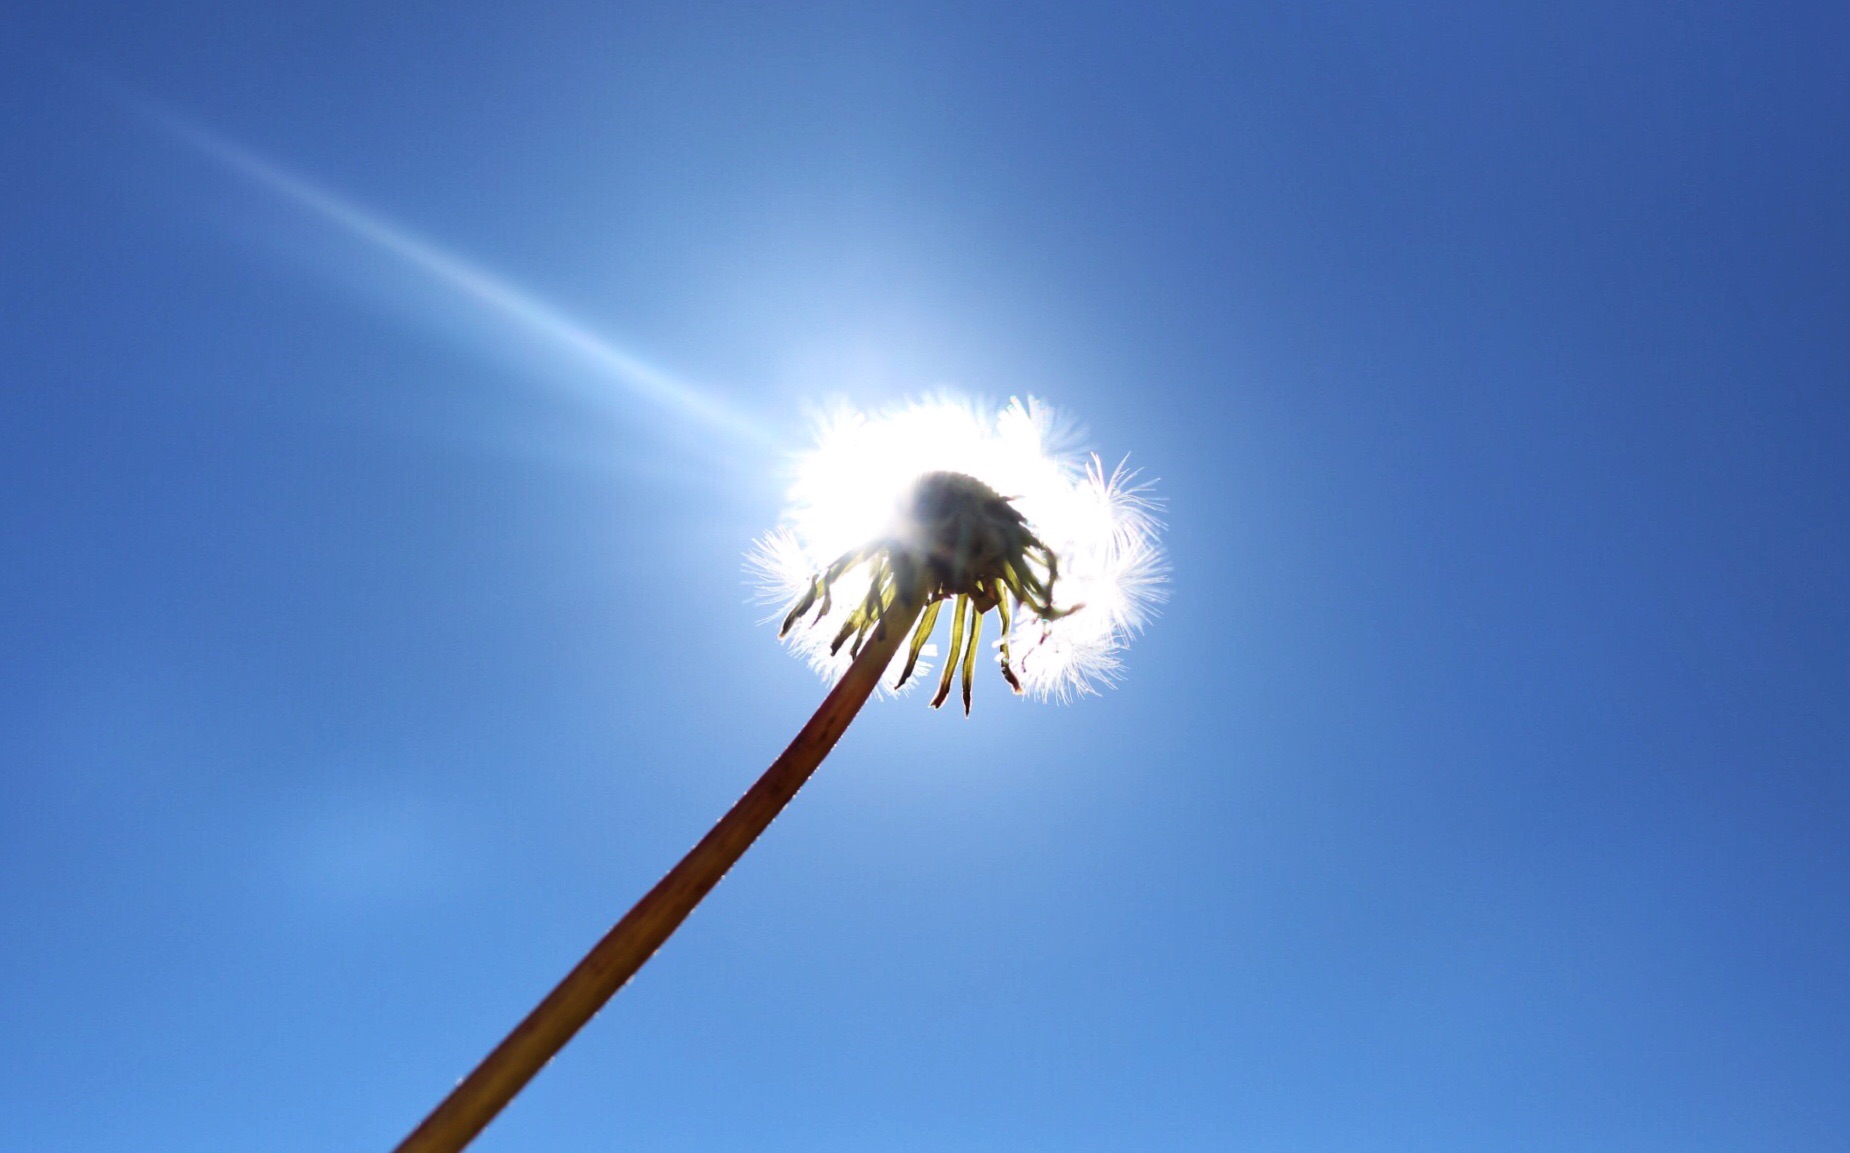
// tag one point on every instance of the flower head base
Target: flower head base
(941, 501)
(954, 538)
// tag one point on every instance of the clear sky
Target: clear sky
(387, 400)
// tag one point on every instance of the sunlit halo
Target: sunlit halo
(1101, 525)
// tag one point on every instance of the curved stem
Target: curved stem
(613, 960)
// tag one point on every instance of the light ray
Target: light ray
(519, 308)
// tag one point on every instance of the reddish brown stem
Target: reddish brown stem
(612, 961)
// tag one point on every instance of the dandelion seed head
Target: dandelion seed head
(993, 508)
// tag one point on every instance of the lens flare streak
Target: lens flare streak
(533, 316)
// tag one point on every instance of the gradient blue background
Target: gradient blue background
(1483, 786)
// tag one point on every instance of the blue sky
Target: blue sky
(366, 648)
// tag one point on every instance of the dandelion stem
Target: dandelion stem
(612, 961)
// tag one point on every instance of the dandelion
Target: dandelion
(891, 517)
(941, 501)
